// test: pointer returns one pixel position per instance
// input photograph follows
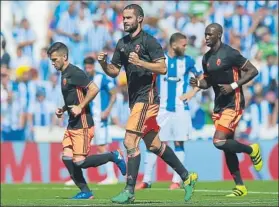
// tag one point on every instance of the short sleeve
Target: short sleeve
(116, 58)
(155, 50)
(80, 79)
(190, 65)
(236, 59)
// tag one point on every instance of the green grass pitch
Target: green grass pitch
(260, 193)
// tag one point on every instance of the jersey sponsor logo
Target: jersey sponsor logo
(218, 62)
(122, 49)
(64, 81)
(137, 48)
(175, 79)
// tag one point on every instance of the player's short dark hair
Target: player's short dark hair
(217, 27)
(137, 9)
(58, 47)
(177, 36)
(89, 60)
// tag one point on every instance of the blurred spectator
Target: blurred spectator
(195, 28)
(242, 26)
(12, 116)
(68, 31)
(153, 8)
(177, 20)
(199, 8)
(236, 42)
(44, 65)
(170, 7)
(260, 113)
(191, 49)
(26, 38)
(43, 113)
(268, 72)
(20, 60)
(267, 21)
(97, 36)
(5, 56)
(28, 96)
(266, 45)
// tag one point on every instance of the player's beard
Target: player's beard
(131, 28)
(178, 52)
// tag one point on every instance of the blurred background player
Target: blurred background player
(222, 67)
(101, 108)
(78, 90)
(174, 117)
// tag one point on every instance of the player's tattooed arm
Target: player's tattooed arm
(250, 72)
(110, 69)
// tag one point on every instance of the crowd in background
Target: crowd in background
(30, 86)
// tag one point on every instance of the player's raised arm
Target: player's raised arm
(109, 68)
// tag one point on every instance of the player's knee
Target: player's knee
(67, 152)
(79, 160)
(133, 152)
(153, 148)
(130, 141)
(219, 143)
(158, 150)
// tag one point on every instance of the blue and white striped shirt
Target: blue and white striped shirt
(172, 85)
(267, 73)
(96, 38)
(24, 35)
(101, 101)
(42, 113)
(240, 26)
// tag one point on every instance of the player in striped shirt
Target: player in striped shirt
(174, 116)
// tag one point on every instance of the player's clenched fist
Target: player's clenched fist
(59, 112)
(102, 57)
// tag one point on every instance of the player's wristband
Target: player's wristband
(198, 83)
(234, 85)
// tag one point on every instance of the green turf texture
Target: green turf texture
(263, 193)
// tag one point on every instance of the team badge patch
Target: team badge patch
(64, 81)
(218, 61)
(137, 48)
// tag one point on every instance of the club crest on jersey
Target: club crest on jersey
(218, 62)
(137, 48)
(64, 81)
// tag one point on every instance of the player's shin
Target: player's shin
(179, 152)
(167, 154)
(133, 168)
(75, 173)
(233, 166)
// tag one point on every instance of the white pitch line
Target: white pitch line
(151, 189)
